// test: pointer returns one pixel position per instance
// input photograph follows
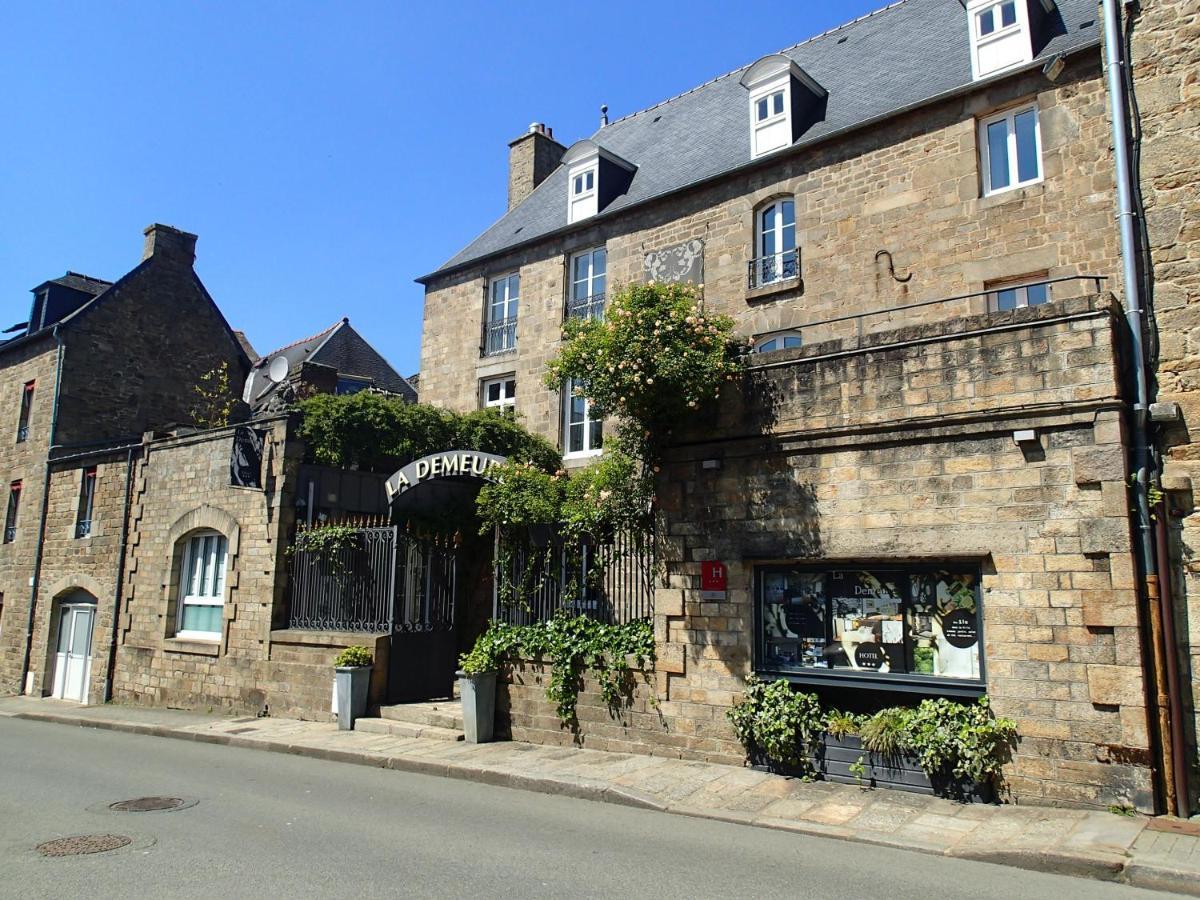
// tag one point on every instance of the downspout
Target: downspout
(117, 591)
(1134, 315)
(41, 533)
(1174, 688)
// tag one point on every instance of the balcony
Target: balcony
(586, 307)
(778, 268)
(83, 528)
(10, 534)
(499, 337)
(22, 433)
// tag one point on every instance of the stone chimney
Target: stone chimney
(531, 158)
(170, 243)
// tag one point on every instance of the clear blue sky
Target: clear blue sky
(326, 154)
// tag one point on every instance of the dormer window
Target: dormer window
(595, 177)
(784, 102)
(1002, 33)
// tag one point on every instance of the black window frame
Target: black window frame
(906, 682)
(27, 390)
(14, 508)
(87, 502)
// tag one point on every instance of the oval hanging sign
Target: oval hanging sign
(447, 464)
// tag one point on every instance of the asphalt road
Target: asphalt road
(267, 825)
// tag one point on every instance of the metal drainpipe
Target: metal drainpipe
(1118, 103)
(117, 591)
(41, 533)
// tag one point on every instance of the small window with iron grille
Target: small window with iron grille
(14, 505)
(87, 500)
(26, 407)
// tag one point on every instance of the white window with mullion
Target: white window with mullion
(202, 587)
(1011, 150)
(589, 277)
(1000, 35)
(500, 393)
(777, 256)
(503, 298)
(1018, 292)
(583, 430)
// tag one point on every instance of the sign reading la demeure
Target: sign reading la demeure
(448, 464)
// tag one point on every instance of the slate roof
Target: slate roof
(85, 283)
(897, 58)
(340, 347)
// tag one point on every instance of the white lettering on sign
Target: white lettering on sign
(451, 464)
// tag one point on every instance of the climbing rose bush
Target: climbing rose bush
(656, 358)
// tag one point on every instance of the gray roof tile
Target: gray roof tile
(897, 58)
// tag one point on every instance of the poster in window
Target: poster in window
(793, 614)
(866, 609)
(944, 624)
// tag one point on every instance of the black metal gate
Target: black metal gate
(424, 650)
(384, 581)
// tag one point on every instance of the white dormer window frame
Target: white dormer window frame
(1001, 36)
(783, 100)
(587, 163)
(583, 180)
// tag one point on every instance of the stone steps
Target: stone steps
(407, 729)
(439, 714)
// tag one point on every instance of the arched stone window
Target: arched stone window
(201, 599)
(775, 255)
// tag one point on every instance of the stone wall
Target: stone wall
(903, 451)
(1166, 68)
(910, 186)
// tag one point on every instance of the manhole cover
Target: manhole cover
(83, 843)
(147, 804)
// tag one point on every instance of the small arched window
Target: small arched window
(777, 258)
(780, 340)
(202, 586)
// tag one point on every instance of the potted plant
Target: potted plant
(778, 726)
(352, 678)
(477, 689)
(961, 746)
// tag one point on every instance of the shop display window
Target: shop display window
(912, 623)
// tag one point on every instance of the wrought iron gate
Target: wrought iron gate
(383, 581)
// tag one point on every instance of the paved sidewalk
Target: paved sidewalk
(1148, 853)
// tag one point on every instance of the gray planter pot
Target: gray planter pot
(478, 706)
(352, 684)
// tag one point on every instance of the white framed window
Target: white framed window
(780, 340)
(770, 124)
(584, 201)
(769, 107)
(500, 393)
(500, 331)
(1000, 35)
(589, 278)
(583, 183)
(583, 431)
(1013, 293)
(1010, 149)
(776, 258)
(202, 586)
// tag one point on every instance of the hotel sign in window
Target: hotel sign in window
(913, 624)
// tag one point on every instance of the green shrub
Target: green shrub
(886, 732)
(782, 723)
(352, 657)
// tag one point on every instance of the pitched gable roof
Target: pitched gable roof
(898, 58)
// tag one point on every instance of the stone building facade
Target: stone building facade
(1165, 62)
(959, 400)
(99, 363)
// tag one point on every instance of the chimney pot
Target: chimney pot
(166, 242)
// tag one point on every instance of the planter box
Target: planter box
(351, 684)
(834, 757)
(478, 706)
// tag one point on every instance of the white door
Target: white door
(73, 661)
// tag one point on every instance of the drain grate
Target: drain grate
(147, 804)
(84, 843)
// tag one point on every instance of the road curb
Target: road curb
(1110, 867)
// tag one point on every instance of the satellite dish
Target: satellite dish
(278, 370)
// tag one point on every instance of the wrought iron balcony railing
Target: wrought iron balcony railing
(83, 528)
(586, 307)
(499, 336)
(10, 534)
(773, 269)
(22, 433)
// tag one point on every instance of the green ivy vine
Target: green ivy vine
(326, 543)
(573, 645)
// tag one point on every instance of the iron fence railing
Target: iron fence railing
(612, 581)
(348, 588)
(586, 307)
(10, 534)
(83, 528)
(22, 433)
(380, 580)
(499, 336)
(771, 269)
